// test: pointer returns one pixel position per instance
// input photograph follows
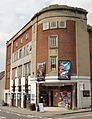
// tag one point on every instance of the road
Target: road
(12, 115)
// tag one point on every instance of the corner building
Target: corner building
(48, 60)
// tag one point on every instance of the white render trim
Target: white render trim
(76, 77)
(7, 91)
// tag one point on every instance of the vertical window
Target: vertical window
(20, 71)
(15, 56)
(24, 51)
(53, 41)
(26, 36)
(20, 53)
(27, 68)
(16, 44)
(45, 25)
(53, 63)
(21, 40)
(53, 24)
(27, 49)
(29, 64)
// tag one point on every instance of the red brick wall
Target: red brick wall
(66, 44)
(8, 65)
(29, 31)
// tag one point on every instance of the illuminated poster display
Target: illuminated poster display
(64, 69)
(41, 70)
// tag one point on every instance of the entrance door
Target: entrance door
(25, 98)
(51, 98)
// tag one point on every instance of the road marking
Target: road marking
(18, 114)
(40, 117)
(7, 112)
(2, 117)
(28, 116)
(59, 118)
(76, 116)
(32, 116)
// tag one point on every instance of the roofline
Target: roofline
(50, 8)
(60, 7)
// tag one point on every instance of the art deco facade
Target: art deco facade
(49, 58)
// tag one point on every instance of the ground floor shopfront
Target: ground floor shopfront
(58, 94)
(52, 93)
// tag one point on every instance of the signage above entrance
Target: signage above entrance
(64, 69)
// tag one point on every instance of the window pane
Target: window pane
(53, 63)
(46, 26)
(53, 41)
(53, 24)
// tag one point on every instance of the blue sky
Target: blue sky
(14, 14)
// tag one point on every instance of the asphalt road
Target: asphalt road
(12, 115)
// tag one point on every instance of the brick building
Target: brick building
(49, 60)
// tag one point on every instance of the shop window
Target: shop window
(62, 24)
(53, 24)
(45, 25)
(53, 41)
(53, 63)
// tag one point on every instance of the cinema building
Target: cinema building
(48, 60)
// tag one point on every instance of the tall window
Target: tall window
(27, 69)
(24, 51)
(53, 63)
(21, 40)
(16, 44)
(26, 36)
(20, 53)
(20, 71)
(53, 41)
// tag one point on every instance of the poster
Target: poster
(41, 108)
(64, 70)
(65, 97)
(41, 70)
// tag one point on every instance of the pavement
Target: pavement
(48, 111)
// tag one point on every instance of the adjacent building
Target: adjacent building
(48, 60)
(2, 87)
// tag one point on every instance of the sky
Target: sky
(14, 14)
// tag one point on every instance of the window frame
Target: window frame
(53, 43)
(45, 25)
(16, 44)
(51, 26)
(26, 36)
(21, 40)
(64, 26)
(53, 69)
